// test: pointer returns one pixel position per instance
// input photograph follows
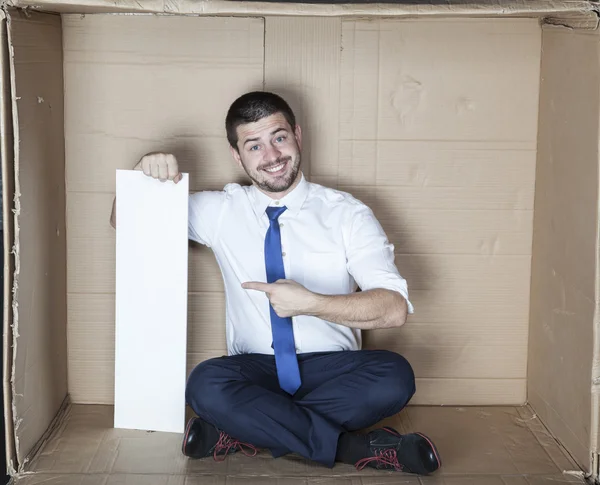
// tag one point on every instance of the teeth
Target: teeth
(276, 168)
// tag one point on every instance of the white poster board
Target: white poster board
(151, 302)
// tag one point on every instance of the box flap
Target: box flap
(39, 364)
(565, 251)
(452, 8)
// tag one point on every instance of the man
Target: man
(292, 254)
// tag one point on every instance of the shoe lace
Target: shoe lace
(226, 444)
(382, 457)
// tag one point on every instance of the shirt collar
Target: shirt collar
(293, 201)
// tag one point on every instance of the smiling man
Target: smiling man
(292, 254)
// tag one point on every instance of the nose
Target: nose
(271, 154)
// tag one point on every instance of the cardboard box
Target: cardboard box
(471, 129)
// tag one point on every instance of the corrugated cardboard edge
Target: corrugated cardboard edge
(585, 22)
(6, 154)
(504, 8)
(14, 424)
(595, 418)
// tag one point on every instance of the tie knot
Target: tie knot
(275, 212)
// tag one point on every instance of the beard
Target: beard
(276, 184)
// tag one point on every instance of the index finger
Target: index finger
(256, 285)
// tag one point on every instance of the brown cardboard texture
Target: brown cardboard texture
(562, 229)
(84, 444)
(548, 9)
(471, 130)
(39, 378)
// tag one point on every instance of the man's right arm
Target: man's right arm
(161, 166)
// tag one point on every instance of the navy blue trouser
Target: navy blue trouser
(341, 391)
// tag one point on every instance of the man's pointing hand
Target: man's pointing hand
(287, 297)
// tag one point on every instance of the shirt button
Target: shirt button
(281, 224)
(276, 202)
(283, 254)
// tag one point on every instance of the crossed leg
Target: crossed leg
(341, 391)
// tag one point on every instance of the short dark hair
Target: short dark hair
(254, 106)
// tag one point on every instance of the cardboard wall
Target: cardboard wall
(452, 185)
(135, 85)
(429, 139)
(413, 117)
(564, 266)
(39, 372)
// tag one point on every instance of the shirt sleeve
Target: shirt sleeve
(204, 214)
(370, 256)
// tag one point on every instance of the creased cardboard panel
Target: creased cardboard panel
(505, 8)
(420, 146)
(475, 442)
(480, 332)
(159, 87)
(565, 235)
(399, 82)
(40, 365)
(437, 163)
(455, 364)
(467, 268)
(467, 305)
(129, 93)
(421, 237)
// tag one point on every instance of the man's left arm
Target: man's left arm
(383, 301)
(376, 308)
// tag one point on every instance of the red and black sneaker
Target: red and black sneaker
(202, 439)
(409, 453)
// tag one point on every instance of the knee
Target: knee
(204, 388)
(396, 386)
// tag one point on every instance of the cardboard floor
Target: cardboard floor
(478, 445)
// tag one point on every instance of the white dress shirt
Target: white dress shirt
(331, 243)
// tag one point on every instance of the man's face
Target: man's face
(269, 152)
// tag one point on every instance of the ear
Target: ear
(236, 156)
(298, 135)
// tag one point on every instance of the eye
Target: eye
(254, 148)
(280, 139)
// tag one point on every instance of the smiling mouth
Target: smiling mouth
(276, 169)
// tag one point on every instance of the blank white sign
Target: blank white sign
(151, 302)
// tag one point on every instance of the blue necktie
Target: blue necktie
(283, 332)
